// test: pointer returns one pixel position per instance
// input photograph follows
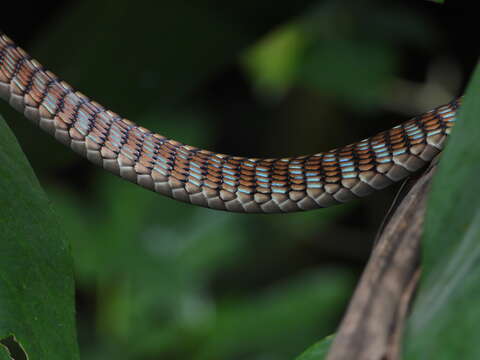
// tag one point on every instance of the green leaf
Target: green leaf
(446, 319)
(272, 63)
(4, 355)
(36, 279)
(317, 351)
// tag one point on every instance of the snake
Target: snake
(209, 179)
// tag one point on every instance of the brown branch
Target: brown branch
(373, 325)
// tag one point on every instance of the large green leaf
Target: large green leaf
(36, 280)
(446, 319)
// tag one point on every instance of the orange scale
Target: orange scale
(263, 190)
(89, 111)
(57, 94)
(178, 175)
(417, 141)
(397, 140)
(297, 181)
(213, 170)
(175, 143)
(41, 80)
(216, 178)
(261, 168)
(228, 188)
(102, 126)
(280, 172)
(313, 162)
(365, 160)
(328, 168)
(185, 152)
(251, 179)
(332, 179)
(146, 163)
(283, 189)
(168, 146)
(430, 122)
(198, 156)
(298, 187)
(365, 156)
(265, 164)
(313, 167)
(202, 153)
(366, 167)
(364, 152)
(346, 153)
(95, 132)
(181, 163)
(35, 94)
(215, 162)
(131, 148)
(233, 162)
(246, 172)
(247, 182)
(120, 125)
(332, 173)
(431, 127)
(246, 189)
(211, 184)
(428, 117)
(398, 146)
(282, 165)
(237, 158)
(25, 75)
(133, 143)
(395, 131)
(164, 152)
(248, 164)
(112, 145)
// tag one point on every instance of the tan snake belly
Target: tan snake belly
(210, 179)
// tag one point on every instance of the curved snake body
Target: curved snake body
(210, 179)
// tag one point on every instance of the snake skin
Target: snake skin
(209, 179)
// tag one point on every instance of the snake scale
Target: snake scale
(207, 178)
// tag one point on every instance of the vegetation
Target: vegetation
(159, 279)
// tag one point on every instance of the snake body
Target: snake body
(209, 179)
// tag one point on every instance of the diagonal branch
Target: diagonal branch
(373, 325)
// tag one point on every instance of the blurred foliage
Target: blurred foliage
(357, 42)
(161, 279)
(446, 316)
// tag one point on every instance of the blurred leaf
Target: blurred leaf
(215, 34)
(446, 319)
(297, 310)
(36, 279)
(356, 72)
(317, 351)
(273, 62)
